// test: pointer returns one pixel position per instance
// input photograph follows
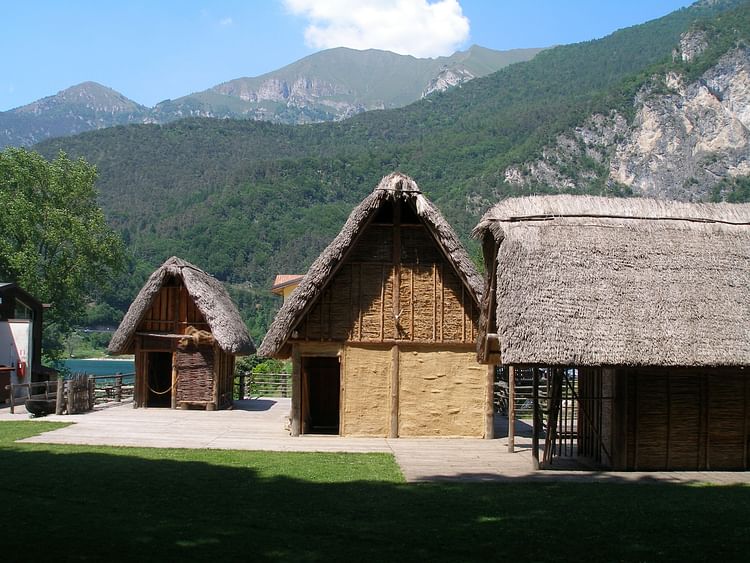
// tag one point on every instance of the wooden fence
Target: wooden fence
(76, 394)
(253, 385)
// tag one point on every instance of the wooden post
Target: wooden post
(489, 404)
(12, 398)
(140, 372)
(535, 434)
(396, 258)
(118, 387)
(393, 430)
(59, 395)
(296, 389)
(214, 405)
(70, 407)
(511, 409)
(174, 380)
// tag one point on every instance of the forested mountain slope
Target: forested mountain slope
(246, 200)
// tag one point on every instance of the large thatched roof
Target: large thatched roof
(598, 281)
(210, 297)
(393, 186)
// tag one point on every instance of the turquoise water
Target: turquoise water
(100, 367)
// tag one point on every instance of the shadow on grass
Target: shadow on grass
(85, 503)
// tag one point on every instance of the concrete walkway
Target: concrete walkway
(259, 425)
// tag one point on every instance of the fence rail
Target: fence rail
(77, 393)
(253, 385)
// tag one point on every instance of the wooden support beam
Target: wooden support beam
(296, 389)
(174, 380)
(396, 268)
(215, 369)
(537, 414)
(489, 404)
(511, 409)
(393, 430)
(140, 373)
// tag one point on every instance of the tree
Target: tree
(54, 241)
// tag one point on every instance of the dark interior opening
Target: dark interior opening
(322, 382)
(384, 214)
(159, 379)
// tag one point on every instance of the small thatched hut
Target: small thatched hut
(649, 301)
(185, 333)
(382, 327)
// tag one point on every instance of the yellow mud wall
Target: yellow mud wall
(366, 393)
(441, 393)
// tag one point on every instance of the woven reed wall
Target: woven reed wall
(173, 309)
(195, 373)
(357, 306)
(366, 381)
(441, 393)
(684, 419)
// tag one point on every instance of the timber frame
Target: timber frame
(396, 299)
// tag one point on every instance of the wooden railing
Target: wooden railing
(252, 385)
(78, 393)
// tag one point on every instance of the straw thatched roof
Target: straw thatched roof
(210, 297)
(391, 187)
(598, 281)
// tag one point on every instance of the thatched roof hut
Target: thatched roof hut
(393, 187)
(600, 281)
(642, 307)
(185, 332)
(381, 329)
(210, 297)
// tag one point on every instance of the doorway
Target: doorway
(321, 381)
(159, 379)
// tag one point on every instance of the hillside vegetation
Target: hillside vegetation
(246, 200)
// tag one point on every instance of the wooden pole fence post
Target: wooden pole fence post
(118, 388)
(60, 394)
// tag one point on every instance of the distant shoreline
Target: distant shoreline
(105, 359)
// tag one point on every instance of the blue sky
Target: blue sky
(154, 50)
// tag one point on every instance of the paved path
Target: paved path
(259, 425)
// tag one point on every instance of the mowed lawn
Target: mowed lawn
(66, 503)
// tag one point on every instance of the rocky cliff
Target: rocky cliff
(683, 141)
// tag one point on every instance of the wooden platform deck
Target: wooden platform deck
(259, 425)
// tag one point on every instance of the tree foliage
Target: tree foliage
(54, 241)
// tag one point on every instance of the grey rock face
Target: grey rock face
(679, 146)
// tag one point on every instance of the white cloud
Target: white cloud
(226, 21)
(408, 27)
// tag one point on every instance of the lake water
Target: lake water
(100, 367)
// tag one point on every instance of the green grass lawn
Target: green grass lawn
(103, 503)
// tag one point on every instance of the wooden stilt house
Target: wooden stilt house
(381, 329)
(637, 313)
(185, 332)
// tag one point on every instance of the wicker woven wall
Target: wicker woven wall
(195, 374)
